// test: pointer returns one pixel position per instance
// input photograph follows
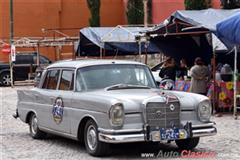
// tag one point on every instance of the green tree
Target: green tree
(135, 14)
(94, 6)
(197, 4)
(230, 4)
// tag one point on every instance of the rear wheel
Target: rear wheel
(5, 79)
(92, 143)
(187, 144)
(35, 132)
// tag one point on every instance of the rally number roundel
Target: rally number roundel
(57, 110)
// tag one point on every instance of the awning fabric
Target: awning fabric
(208, 18)
(114, 41)
(228, 30)
(200, 19)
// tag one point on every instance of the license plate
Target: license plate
(169, 134)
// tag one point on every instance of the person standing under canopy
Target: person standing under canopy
(182, 71)
(199, 77)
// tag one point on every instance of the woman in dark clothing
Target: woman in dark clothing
(182, 70)
(168, 70)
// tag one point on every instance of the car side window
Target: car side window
(66, 81)
(51, 79)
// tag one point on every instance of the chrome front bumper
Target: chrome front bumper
(140, 137)
(131, 135)
(202, 130)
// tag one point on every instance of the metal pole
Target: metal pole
(73, 51)
(145, 13)
(145, 24)
(214, 79)
(235, 84)
(139, 50)
(101, 53)
(38, 55)
(11, 41)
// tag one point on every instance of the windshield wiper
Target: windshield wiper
(126, 86)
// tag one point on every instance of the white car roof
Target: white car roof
(89, 62)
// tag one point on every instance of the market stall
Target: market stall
(228, 31)
(200, 26)
(224, 90)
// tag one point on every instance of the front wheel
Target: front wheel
(187, 144)
(92, 143)
(35, 132)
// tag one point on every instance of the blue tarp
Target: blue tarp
(229, 30)
(113, 40)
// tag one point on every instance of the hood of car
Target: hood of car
(188, 100)
(133, 99)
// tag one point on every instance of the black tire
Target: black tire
(187, 144)
(35, 132)
(99, 148)
(5, 79)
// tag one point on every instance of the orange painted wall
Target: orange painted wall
(162, 9)
(31, 16)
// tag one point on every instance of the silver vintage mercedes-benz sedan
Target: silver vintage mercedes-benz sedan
(100, 102)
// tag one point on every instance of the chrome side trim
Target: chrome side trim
(121, 138)
(51, 131)
(204, 132)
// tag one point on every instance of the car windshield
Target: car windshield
(102, 76)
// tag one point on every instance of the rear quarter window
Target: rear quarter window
(51, 79)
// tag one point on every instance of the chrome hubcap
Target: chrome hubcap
(6, 80)
(91, 137)
(34, 125)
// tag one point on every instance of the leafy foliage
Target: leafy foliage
(135, 14)
(230, 4)
(94, 6)
(197, 4)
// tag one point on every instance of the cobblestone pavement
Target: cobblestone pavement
(17, 144)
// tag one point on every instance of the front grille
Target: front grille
(160, 115)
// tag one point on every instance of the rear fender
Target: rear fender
(26, 99)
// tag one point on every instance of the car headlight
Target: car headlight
(116, 115)
(204, 110)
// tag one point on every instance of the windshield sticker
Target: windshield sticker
(57, 110)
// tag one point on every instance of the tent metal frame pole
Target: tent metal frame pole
(101, 55)
(139, 50)
(182, 33)
(214, 78)
(73, 51)
(38, 55)
(11, 42)
(235, 83)
(146, 56)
